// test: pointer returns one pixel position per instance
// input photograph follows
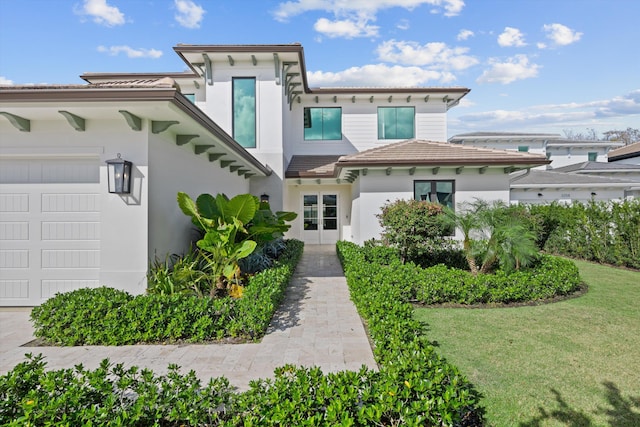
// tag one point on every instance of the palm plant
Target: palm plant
(493, 235)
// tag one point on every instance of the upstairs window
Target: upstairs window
(593, 156)
(523, 148)
(191, 97)
(244, 111)
(396, 122)
(322, 124)
(435, 191)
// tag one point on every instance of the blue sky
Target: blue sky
(531, 65)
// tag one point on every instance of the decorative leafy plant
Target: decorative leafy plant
(233, 228)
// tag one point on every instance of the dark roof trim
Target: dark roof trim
(446, 162)
(387, 90)
(132, 76)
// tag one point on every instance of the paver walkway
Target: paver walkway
(316, 325)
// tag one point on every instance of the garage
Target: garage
(49, 227)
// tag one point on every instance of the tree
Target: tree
(627, 136)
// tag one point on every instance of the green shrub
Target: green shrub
(414, 385)
(413, 227)
(105, 316)
(606, 232)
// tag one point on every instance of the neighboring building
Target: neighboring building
(629, 154)
(611, 170)
(559, 150)
(243, 119)
(538, 187)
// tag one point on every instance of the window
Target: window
(435, 191)
(593, 156)
(244, 111)
(396, 122)
(191, 97)
(322, 124)
(523, 148)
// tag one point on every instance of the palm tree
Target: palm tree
(504, 238)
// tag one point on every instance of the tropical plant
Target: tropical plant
(494, 234)
(233, 228)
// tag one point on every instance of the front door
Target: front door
(320, 213)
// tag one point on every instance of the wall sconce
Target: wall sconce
(539, 194)
(264, 198)
(119, 175)
(593, 194)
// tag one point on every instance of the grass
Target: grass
(572, 363)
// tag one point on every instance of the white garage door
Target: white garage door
(49, 228)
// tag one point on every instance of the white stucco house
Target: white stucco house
(560, 151)
(241, 119)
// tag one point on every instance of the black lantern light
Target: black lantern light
(264, 198)
(119, 175)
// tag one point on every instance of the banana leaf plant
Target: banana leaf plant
(232, 229)
(222, 219)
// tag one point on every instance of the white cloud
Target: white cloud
(102, 13)
(515, 68)
(288, 9)
(437, 55)
(345, 28)
(403, 25)
(541, 45)
(189, 14)
(465, 34)
(5, 81)
(561, 35)
(378, 75)
(131, 52)
(511, 37)
(616, 112)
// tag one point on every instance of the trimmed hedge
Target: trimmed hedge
(605, 232)
(424, 389)
(105, 316)
(414, 386)
(547, 278)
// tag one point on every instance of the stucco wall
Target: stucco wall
(376, 188)
(173, 169)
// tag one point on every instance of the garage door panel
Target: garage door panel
(14, 289)
(49, 228)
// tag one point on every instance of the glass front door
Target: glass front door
(320, 218)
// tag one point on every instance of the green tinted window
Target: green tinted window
(396, 122)
(244, 111)
(593, 156)
(435, 191)
(523, 148)
(190, 96)
(322, 123)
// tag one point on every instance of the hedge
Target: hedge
(413, 387)
(105, 316)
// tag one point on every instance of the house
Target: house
(560, 151)
(241, 119)
(540, 187)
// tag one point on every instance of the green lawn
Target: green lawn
(571, 363)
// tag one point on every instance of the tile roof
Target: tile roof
(631, 150)
(312, 167)
(159, 82)
(429, 153)
(560, 179)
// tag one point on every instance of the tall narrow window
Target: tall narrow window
(244, 111)
(396, 122)
(435, 191)
(322, 124)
